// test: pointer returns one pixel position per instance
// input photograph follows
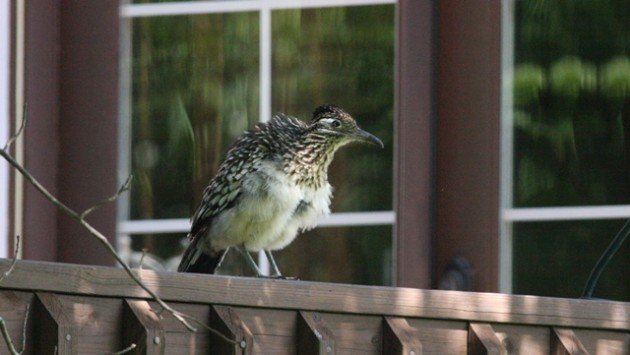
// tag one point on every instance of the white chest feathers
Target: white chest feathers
(270, 212)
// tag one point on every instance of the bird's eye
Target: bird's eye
(335, 124)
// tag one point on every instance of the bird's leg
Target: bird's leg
(250, 260)
(222, 257)
(276, 271)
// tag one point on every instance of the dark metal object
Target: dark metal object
(606, 257)
(457, 276)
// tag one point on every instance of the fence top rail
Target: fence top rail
(318, 296)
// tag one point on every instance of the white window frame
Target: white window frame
(5, 97)
(510, 214)
(127, 227)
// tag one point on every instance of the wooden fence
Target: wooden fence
(77, 309)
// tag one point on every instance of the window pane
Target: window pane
(195, 88)
(571, 103)
(555, 259)
(161, 251)
(357, 255)
(342, 56)
(360, 255)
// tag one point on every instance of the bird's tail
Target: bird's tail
(195, 260)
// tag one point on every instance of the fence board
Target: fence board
(315, 296)
(440, 336)
(604, 342)
(400, 338)
(142, 326)
(519, 339)
(354, 333)
(225, 320)
(313, 336)
(13, 306)
(483, 340)
(565, 342)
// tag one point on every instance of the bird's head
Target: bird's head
(337, 125)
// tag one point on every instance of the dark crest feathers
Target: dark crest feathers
(327, 110)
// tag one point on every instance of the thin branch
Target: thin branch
(93, 231)
(144, 253)
(103, 240)
(123, 188)
(20, 130)
(242, 343)
(7, 337)
(125, 350)
(28, 308)
(15, 255)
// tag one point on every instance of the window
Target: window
(566, 146)
(201, 73)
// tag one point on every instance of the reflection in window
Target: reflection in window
(571, 87)
(196, 86)
(342, 56)
(571, 140)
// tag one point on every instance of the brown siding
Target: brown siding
(89, 123)
(71, 88)
(41, 81)
(468, 137)
(414, 150)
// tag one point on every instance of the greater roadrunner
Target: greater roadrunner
(272, 184)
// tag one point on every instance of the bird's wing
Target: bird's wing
(225, 188)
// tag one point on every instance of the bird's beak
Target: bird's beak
(366, 137)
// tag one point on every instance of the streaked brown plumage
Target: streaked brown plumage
(272, 184)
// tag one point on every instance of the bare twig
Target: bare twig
(15, 255)
(28, 308)
(144, 253)
(123, 188)
(103, 240)
(7, 337)
(125, 350)
(19, 131)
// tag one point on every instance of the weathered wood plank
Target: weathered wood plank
(565, 342)
(519, 339)
(483, 340)
(13, 306)
(54, 331)
(441, 336)
(313, 336)
(142, 326)
(176, 336)
(226, 320)
(274, 331)
(355, 334)
(604, 341)
(88, 325)
(315, 296)
(400, 338)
